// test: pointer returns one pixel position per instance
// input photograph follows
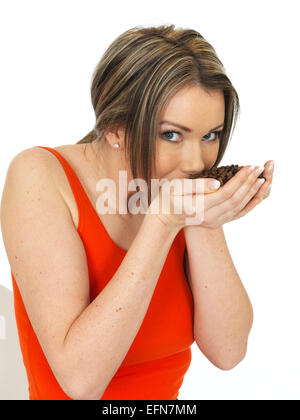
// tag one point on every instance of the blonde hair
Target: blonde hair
(139, 72)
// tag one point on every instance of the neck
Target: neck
(106, 163)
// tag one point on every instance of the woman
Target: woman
(108, 307)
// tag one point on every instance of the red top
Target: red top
(155, 364)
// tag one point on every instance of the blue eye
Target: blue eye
(170, 132)
(216, 133)
(167, 133)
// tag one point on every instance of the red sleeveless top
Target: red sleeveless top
(160, 355)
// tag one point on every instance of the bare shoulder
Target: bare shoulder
(34, 153)
(38, 165)
(34, 162)
(27, 169)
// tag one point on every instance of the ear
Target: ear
(115, 135)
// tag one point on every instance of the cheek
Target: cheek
(166, 160)
(210, 154)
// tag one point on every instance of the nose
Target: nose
(193, 164)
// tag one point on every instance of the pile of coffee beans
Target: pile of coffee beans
(223, 173)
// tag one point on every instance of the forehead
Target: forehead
(192, 105)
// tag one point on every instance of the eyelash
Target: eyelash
(217, 133)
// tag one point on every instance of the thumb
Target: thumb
(204, 185)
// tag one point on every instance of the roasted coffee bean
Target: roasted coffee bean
(223, 173)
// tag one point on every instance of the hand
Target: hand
(237, 197)
(231, 200)
(227, 203)
(174, 212)
(262, 193)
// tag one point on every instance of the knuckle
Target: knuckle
(255, 187)
(232, 213)
(268, 189)
(234, 200)
(227, 194)
(250, 181)
(249, 177)
(227, 205)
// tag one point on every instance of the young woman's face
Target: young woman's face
(182, 153)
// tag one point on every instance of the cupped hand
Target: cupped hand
(231, 201)
(238, 196)
(263, 192)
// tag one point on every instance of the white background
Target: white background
(48, 52)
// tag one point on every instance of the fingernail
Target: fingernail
(260, 181)
(250, 169)
(214, 184)
(259, 170)
(271, 165)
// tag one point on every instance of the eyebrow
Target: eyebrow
(186, 128)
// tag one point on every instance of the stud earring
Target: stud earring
(116, 145)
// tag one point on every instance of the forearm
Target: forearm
(100, 338)
(223, 311)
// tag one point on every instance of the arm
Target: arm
(84, 343)
(223, 313)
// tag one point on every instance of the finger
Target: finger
(227, 210)
(263, 192)
(196, 186)
(248, 188)
(252, 190)
(234, 210)
(226, 192)
(230, 207)
(249, 203)
(267, 191)
(250, 206)
(241, 194)
(269, 168)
